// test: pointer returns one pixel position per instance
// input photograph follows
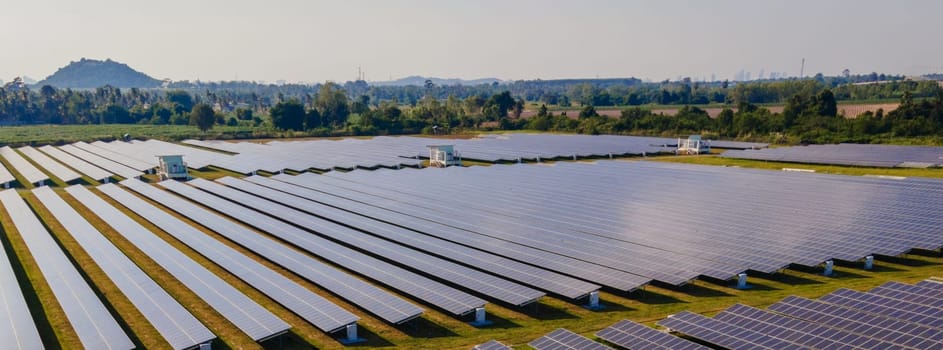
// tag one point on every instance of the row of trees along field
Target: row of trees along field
(331, 109)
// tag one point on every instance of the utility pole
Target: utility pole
(802, 69)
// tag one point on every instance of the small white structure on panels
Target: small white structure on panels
(172, 167)
(441, 156)
(693, 145)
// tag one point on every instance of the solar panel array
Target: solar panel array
(145, 153)
(16, 325)
(635, 336)
(892, 316)
(251, 318)
(370, 298)
(174, 323)
(563, 339)
(91, 321)
(395, 152)
(484, 261)
(310, 306)
(22, 166)
(53, 167)
(102, 162)
(658, 220)
(5, 176)
(889, 156)
(86, 168)
(447, 298)
(120, 158)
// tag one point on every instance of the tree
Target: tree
(202, 116)
(288, 115)
(332, 104)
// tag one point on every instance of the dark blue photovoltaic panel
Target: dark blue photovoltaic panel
(452, 300)
(310, 306)
(88, 316)
(381, 303)
(635, 336)
(174, 323)
(491, 345)
(506, 268)
(722, 334)
(562, 339)
(887, 306)
(849, 154)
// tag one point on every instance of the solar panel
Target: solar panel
(497, 265)
(562, 339)
(721, 334)
(22, 166)
(55, 168)
(491, 345)
(870, 325)
(381, 303)
(174, 323)
(116, 157)
(886, 306)
(16, 324)
(251, 318)
(313, 308)
(796, 331)
(430, 291)
(86, 168)
(483, 283)
(102, 162)
(635, 336)
(850, 154)
(93, 324)
(615, 279)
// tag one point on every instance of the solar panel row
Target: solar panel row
(313, 308)
(102, 162)
(370, 298)
(53, 167)
(174, 323)
(251, 318)
(116, 157)
(16, 325)
(850, 154)
(430, 291)
(22, 166)
(540, 278)
(635, 336)
(86, 168)
(5, 176)
(91, 321)
(563, 339)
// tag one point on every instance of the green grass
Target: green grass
(60, 134)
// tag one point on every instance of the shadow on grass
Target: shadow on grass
(545, 312)
(786, 277)
(704, 291)
(499, 323)
(373, 340)
(905, 260)
(645, 296)
(423, 328)
(284, 342)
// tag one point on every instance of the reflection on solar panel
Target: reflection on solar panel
(658, 219)
(491, 345)
(90, 170)
(5, 176)
(92, 322)
(16, 326)
(57, 169)
(631, 335)
(497, 265)
(102, 162)
(562, 339)
(22, 166)
(254, 320)
(796, 331)
(850, 154)
(175, 324)
(490, 285)
(386, 306)
(310, 306)
(721, 334)
(394, 152)
(432, 292)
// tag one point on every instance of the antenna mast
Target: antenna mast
(802, 69)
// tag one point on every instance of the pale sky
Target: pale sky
(314, 41)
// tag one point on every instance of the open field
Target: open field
(60, 134)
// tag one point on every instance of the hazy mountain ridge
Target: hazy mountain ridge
(421, 81)
(90, 74)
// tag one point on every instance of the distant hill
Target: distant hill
(89, 74)
(421, 81)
